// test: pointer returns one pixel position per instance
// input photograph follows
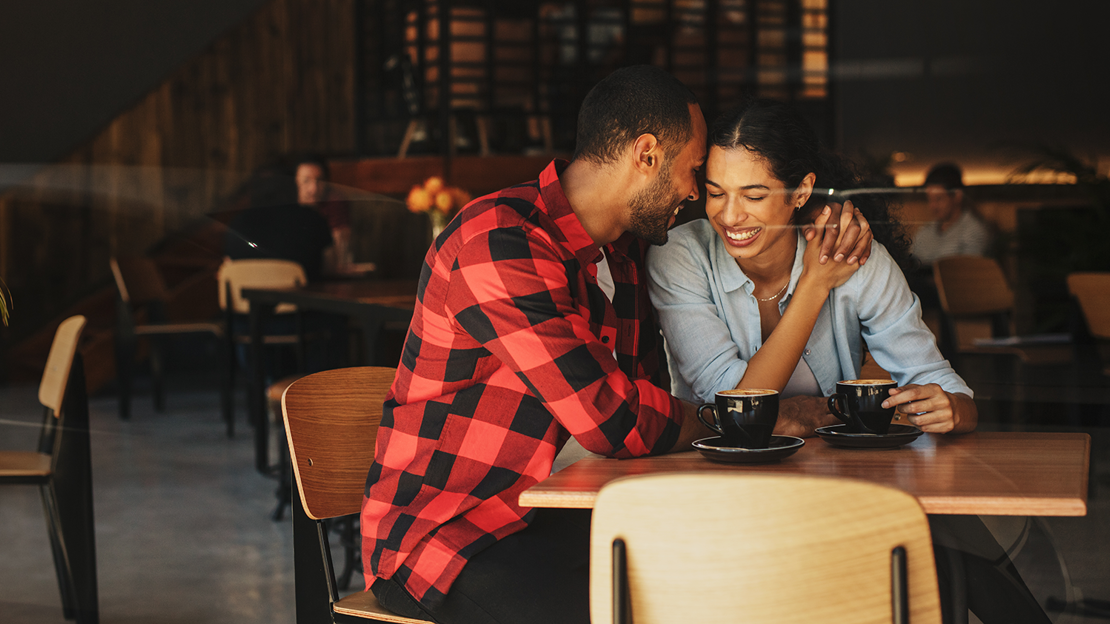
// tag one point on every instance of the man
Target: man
(955, 231)
(511, 352)
(311, 176)
(275, 226)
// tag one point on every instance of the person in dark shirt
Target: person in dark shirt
(277, 227)
(313, 191)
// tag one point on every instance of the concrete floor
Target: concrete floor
(184, 534)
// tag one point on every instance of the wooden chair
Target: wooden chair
(978, 305)
(142, 294)
(731, 547)
(331, 422)
(1092, 291)
(235, 275)
(61, 467)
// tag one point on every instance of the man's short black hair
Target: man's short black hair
(312, 159)
(632, 101)
(947, 175)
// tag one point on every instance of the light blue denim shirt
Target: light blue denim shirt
(711, 320)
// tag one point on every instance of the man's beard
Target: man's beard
(650, 216)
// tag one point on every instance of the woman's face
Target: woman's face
(749, 208)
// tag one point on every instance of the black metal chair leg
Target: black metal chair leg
(157, 378)
(125, 365)
(347, 539)
(57, 547)
(226, 371)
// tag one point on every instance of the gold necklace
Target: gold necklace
(776, 295)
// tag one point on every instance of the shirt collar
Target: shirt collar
(555, 204)
(733, 278)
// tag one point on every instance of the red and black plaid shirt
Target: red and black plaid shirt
(509, 353)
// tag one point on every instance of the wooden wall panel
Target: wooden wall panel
(280, 83)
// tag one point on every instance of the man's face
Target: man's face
(310, 184)
(943, 204)
(654, 209)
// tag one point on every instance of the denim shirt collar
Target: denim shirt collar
(733, 277)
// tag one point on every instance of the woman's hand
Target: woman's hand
(933, 410)
(828, 275)
(855, 241)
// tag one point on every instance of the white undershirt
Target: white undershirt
(802, 382)
(605, 278)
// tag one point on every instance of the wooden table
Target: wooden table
(372, 302)
(988, 473)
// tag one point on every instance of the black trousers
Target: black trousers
(534, 576)
(542, 574)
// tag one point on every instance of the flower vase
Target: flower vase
(439, 222)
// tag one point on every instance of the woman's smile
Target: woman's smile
(741, 237)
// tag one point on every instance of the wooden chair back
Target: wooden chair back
(972, 285)
(729, 547)
(1093, 292)
(234, 275)
(975, 298)
(331, 422)
(138, 280)
(52, 389)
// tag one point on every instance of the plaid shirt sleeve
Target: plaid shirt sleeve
(511, 292)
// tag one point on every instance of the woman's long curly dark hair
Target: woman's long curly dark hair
(782, 137)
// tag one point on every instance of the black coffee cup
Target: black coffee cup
(859, 403)
(743, 417)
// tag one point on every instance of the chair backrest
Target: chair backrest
(138, 280)
(255, 273)
(1093, 292)
(742, 547)
(975, 298)
(972, 285)
(52, 389)
(331, 422)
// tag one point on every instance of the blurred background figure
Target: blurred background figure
(277, 226)
(313, 191)
(956, 231)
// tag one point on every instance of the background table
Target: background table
(372, 302)
(989, 473)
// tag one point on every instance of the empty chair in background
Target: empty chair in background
(62, 468)
(141, 302)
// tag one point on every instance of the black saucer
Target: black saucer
(780, 447)
(897, 435)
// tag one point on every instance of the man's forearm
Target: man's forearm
(800, 415)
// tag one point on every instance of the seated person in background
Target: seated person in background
(276, 226)
(513, 349)
(744, 303)
(311, 175)
(956, 231)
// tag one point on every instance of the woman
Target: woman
(745, 302)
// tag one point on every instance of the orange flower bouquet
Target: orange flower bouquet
(440, 201)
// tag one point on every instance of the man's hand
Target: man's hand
(800, 415)
(855, 241)
(692, 429)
